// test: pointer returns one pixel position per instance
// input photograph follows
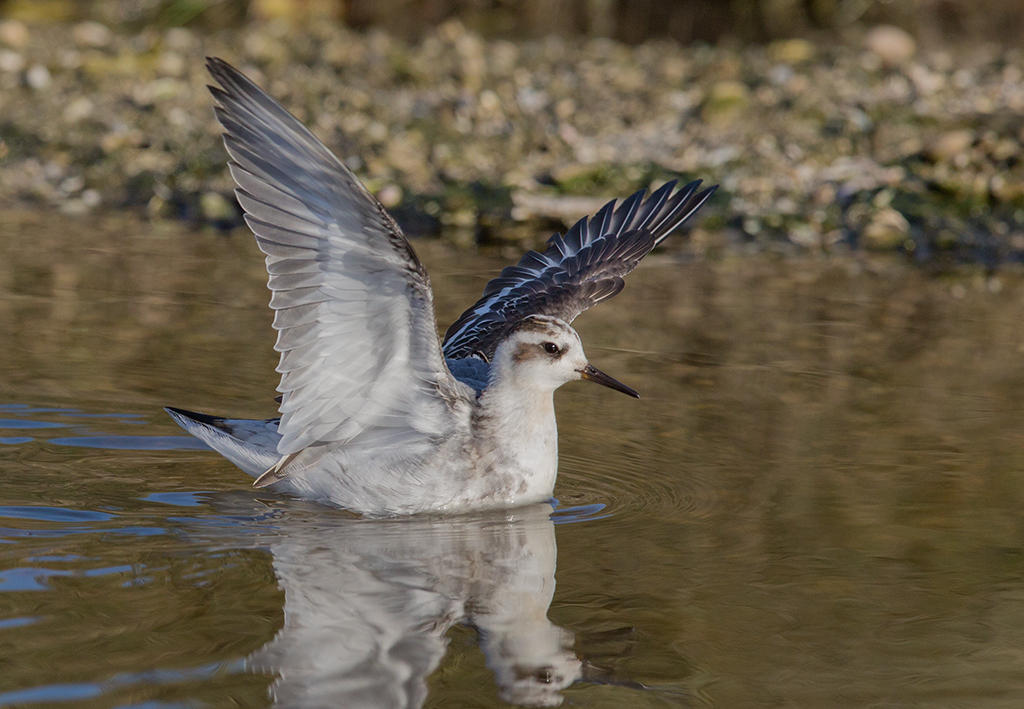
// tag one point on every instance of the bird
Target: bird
(377, 415)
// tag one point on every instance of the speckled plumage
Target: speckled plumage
(375, 416)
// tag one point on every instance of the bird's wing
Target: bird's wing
(360, 360)
(577, 270)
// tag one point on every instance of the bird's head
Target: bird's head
(544, 352)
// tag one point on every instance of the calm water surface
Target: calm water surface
(818, 501)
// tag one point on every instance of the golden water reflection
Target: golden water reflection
(815, 503)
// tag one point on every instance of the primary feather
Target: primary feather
(577, 270)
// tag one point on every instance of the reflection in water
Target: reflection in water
(368, 604)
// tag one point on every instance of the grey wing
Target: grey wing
(577, 270)
(360, 360)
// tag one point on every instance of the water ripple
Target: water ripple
(177, 499)
(53, 514)
(66, 692)
(22, 417)
(26, 423)
(635, 489)
(131, 443)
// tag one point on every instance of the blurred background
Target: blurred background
(631, 21)
(830, 124)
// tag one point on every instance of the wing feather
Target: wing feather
(577, 270)
(360, 361)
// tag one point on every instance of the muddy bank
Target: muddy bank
(880, 144)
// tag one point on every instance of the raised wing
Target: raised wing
(360, 361)
(577, 271)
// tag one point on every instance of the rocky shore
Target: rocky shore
(878, 144)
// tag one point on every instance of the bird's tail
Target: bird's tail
(251, 444)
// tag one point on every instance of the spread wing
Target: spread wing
(360, 361)
(577, 271)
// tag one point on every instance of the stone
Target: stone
(725, 100)
(888, 229)
(38, 77)
(78, 109)
(91, 34)
(13, 33)
(171, 64)
(950, 144)
(91, 198)
(390, 195)
(11, 62)
(892, 45)
(791, 51)
(215, 207)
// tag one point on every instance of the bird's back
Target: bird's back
(471, 371)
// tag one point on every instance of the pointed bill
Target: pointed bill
(593, 374)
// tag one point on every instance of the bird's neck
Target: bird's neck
(521, 421)
(517, 410)
(514, 426)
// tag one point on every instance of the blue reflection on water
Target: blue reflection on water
(19, 622)
(132, 443)
(79, 422)
(178, 499)
(579, 513)
(52, 693)
(25, 423)
(53, 514)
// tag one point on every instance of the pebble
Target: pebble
(78, 109)
(71, 184)
(725, 100)
(14, 34)
(171, 64)
(38, 77)
(887, 229)
(791, 51)
(91, 198)
(91, 34)
(11, 62)
(215, 207)
(180, 39)
(390, 195)
(892, 45)
(951, 144)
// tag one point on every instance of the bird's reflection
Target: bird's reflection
(368, 604)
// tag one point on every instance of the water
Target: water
(817, 501)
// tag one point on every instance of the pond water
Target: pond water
(817, 501)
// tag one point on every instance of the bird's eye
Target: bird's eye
(551, 348)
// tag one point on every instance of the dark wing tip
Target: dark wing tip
(207, 419)
(221, 70)
(699, 199)
(686, 202)
(204, 418)
(232, 81)
(218, 67)
(228, 79)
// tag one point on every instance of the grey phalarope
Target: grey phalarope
(377, 416)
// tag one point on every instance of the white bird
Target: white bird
(376, 415)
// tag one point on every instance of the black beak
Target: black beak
(593, 374)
